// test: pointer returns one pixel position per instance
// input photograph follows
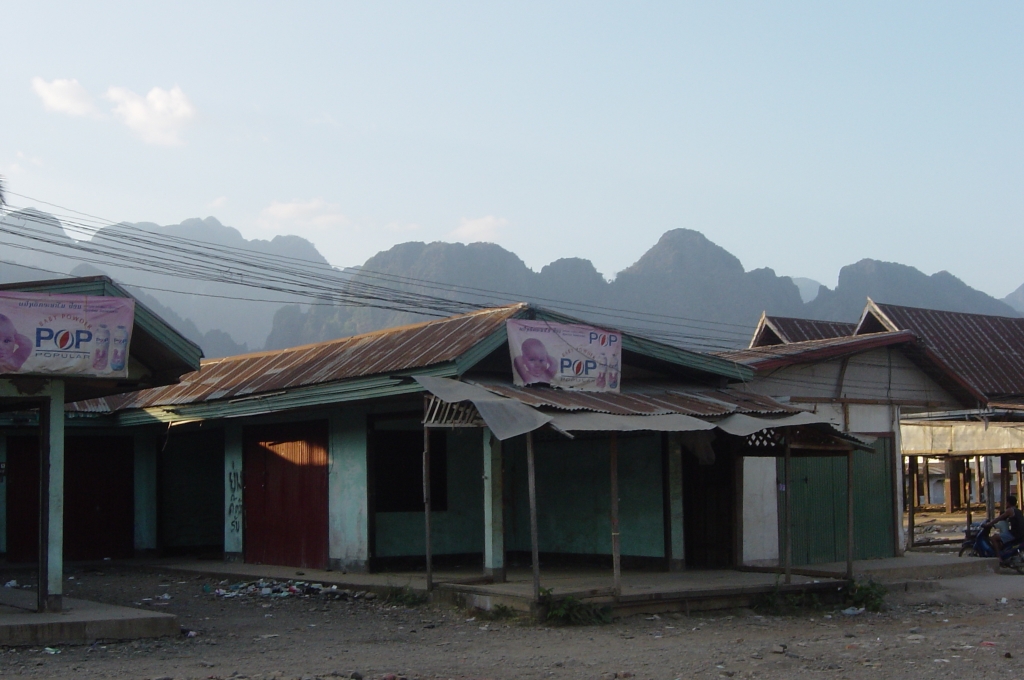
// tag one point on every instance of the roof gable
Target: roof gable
(986, 350)
(780, 330)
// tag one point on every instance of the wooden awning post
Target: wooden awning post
(990, 490)
(787, 519)
(849, 515)
(426, 506)
(927, 483)
(912, 500)
(534, 539)
(43, 567)
(1004, 478)
(968, 483)
(616, 556)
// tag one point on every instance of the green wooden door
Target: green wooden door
(818, 518)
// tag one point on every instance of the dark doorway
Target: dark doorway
(99, 501)
(285, 494)
(708, 503)
(191, 492)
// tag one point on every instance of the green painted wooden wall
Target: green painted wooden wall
(818, 518)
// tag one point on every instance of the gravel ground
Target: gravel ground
(260, 637)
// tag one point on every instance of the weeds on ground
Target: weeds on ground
(404, 596)
(869, 595)
(777, 603)
(570, 611)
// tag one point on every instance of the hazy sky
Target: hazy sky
(798, 136)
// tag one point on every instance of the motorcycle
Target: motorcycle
(978, 543)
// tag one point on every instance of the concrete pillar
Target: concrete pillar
(145, 491)
(3, 494)
(233, 549)
(55, 554)
(494, 509)
(677, 556)
(348, 493)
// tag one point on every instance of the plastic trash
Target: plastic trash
(11, 584)
(853, 611)
(51, 650)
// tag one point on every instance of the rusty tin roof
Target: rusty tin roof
(988, 351)
(394, 349)
(644, 399)
(778, 330)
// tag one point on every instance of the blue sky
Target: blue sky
(798, 136)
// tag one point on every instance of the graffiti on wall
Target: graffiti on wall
(234, 512)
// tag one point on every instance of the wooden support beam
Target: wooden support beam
(927, 483)
(616, 556)
(949, 484)
(534, 538)
(426, 507)
(788, 557)
(1004, 479)
(43, 568)
(911, 500)
(849, 515)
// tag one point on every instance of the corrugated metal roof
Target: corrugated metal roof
(644, 399)
(774, 356)
(382, 352)
(988, 351)
(782, 329)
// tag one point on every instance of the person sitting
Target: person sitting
(1014, 519)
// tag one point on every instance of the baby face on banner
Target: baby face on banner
(14, 347)
(535, 364)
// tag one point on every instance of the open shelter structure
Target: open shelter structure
(33, 406)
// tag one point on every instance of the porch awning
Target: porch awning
(508, 416)
(505, 417)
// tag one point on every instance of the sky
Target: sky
(798, 136)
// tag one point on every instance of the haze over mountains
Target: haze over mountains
(684, 289)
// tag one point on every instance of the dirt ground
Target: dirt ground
(262, 636)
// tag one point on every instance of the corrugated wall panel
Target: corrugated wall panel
(285, 494)
(818, 494)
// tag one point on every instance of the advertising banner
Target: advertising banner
(571, 356)
(70, 335)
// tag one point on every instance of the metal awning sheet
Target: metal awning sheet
(505, 417)
(742, 425)
(608, 422)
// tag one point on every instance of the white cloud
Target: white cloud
(218, 202)
(402, 227)
(156, 118)
(478, 229)
(65, 96)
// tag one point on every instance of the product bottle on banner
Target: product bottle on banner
(613, 374)
(119, 350)
(101, 347)
(602, 375)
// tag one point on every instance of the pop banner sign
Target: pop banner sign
(571, 356)
(71, 335)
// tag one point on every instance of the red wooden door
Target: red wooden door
(285, 495)
(99, 498)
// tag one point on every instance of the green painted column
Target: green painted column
(233, 549)
(677, 557)
(145, 491)
(348, 492)
(3, 494)
(494, 515)
(55, 556)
